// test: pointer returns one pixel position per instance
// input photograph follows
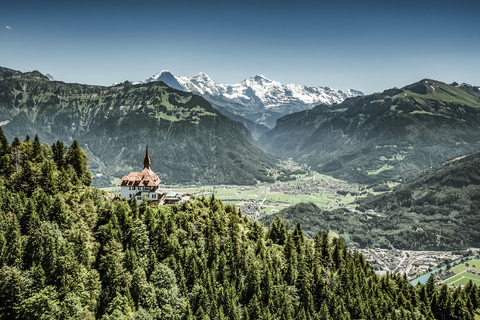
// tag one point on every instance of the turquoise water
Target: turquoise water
(423, 279)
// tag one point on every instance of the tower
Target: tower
(146, 161)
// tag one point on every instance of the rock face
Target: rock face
(257, 99)
(383, 136)
(189, 140)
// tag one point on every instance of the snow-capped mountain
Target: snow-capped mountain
(257, 98)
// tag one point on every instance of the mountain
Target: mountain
(440, 206)
(435, 210)
(167, 77)
(189, 140)
(49, 76)
(258, 98)
(383, 136)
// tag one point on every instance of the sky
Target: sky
(365, 45)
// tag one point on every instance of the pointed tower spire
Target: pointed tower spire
(146, 161)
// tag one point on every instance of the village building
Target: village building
(144, 185)
(141, 184)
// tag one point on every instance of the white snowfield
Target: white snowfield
(258, 90)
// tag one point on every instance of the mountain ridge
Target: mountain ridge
(257, 98)
(382, 136)
(436, 209)
(190, 141)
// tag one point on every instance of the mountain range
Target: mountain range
(383, 136)
(189, 140)
(256, 99)
(365, 139)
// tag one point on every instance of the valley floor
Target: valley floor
(270, 198)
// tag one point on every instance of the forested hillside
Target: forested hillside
(68, 252)
(189, 140)
(383, 136)
(440, 205)
(436, 210)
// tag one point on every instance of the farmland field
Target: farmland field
(324, 191)
(462, 279)
(463, 276)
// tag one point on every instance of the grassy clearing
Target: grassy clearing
(385, 167)
(272, 209)
(472, 264)
(462, 279)
(446, 94)
(462, 276)
(274, 201)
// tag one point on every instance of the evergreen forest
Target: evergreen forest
(67, 251)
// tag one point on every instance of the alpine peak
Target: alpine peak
(256, 95)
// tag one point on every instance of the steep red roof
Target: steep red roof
(145, 178)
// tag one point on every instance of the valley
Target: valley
(263, 199)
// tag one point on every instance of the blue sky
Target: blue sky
(364, 45)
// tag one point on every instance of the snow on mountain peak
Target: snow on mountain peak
(159, 75)
(167, 77)
(258, 92)
(260, 77)
(202, 75)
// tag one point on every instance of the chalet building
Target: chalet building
(140, 184)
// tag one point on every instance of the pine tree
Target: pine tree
(13, 254)
(298, 237)
(6, 167)
(77, 159)
(11, 290)
(37, 153)
(47, 179)
(59, 153)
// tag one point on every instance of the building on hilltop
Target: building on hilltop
(144, 184)
(140, 184)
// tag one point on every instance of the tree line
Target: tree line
(69, 252)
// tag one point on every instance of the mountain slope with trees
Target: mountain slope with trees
(189, 140)
(383, 136)
(74, 254)
(437, 209)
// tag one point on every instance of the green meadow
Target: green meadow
(462, 277)
(308, 187)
